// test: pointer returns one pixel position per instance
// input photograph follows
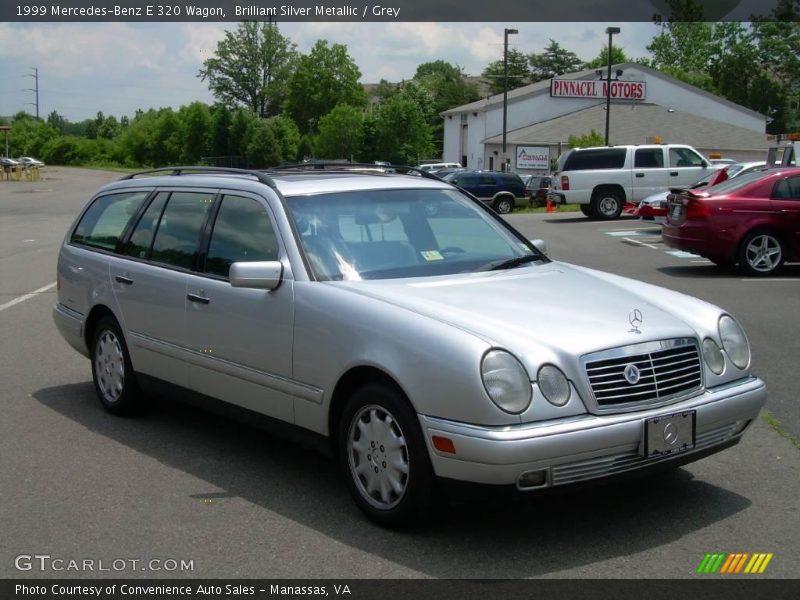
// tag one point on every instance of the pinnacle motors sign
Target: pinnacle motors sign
(584, 88)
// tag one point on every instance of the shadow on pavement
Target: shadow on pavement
(711, 271)
(525, 536)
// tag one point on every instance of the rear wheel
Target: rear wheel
(114, 380)
(383, 456)
(607, 204)
(761, 253)
(504, 205)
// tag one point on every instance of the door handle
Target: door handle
(198, 299)
(640, 174)
(123, 280)
(673, 173)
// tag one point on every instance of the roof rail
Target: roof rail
(352, 167)
(177, 171)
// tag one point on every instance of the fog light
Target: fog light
(532, 479)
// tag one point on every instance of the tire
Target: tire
(761, 253)
(112, 372)
(383, 456)
(586, 209)
(607, 204)
(504, 205)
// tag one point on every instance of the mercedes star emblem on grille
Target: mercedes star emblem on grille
(632, 374)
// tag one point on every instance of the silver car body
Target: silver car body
(284, 352)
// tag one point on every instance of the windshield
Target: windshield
(387, 234)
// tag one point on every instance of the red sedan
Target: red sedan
(752, 220)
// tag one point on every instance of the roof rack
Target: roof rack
(177, 171)
(366, 168)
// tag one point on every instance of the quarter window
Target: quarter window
(242, 233)
(104, 222)
(178, 232)
(787, 189)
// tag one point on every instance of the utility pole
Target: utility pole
(35, 76)
(506, 33)
(610, 31)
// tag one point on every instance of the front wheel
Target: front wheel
(504, 205)
(586, 209)
(383, 456)
(114, 380)
(761, 253)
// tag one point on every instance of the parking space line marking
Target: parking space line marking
(19, 299)
(637, 242)
(682, 254)
(704, 262)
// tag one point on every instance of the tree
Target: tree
(287, 136)
(587, 140)
(239, 131)
(618, 57)
(519, 72)
(325, 77)
(402, 133)
(56, 121)
(554, 61)
(220, 131)
(195, 129)
(262, 149)
(250, 68)
(108, 128)
(341, 133)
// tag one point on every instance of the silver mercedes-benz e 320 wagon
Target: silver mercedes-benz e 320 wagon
(396, 316)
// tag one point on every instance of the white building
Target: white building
(646, 107)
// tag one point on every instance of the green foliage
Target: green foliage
(239, 131)
(587, 140)
(325, 77)
(519, 72)
(250, 68)
(341, 133)
(287, 137)
(28, 136)
(305, 151)
(402, 132)
(220, 131)
(554, 61)
(262, 148)
(56, 121)
(618, 56)
(196, 129)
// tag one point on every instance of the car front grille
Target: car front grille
(666, 370)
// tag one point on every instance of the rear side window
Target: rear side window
(511, 179)
(649, 158)
(178, 233)
(485, 179)
(602, 158)
(242, 233)
(142, 238)
(105, 220)
(684, 157)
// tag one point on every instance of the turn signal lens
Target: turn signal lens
(554, 385)
(713, 355)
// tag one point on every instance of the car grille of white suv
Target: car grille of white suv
(659, 375)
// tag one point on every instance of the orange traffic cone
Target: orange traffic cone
(550, 206)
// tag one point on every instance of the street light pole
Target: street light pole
(506, 33)
(610, 31)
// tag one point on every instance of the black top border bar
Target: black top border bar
(509, 11)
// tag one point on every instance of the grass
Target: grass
(540, 209)
(773, 422)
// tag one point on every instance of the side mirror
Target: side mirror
(262, 275)
(540, 246)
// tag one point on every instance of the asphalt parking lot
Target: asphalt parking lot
(77, 483)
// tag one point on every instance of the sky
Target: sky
(117, 68)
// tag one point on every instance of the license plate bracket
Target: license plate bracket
(669, 434)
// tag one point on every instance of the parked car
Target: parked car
(446, 171)
(536, 189)
(722, 161)
(28, 161)
(439, 165)
(334, 302)
(501, 191)
(603, 180)
(654, 208)
(6, 162)
(752, 220)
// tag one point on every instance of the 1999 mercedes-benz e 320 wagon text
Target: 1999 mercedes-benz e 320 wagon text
(391, 313)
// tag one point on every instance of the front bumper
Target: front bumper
(588, 446)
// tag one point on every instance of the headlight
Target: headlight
(713, 355)
(506, 381)
(554, 385)
(734, 341)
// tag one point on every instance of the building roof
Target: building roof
(634, 123)
(543, 87)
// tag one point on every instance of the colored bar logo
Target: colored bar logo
(734, 563)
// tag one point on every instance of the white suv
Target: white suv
(603, 179)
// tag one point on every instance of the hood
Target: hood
(550, 312)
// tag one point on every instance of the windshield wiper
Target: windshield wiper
(510, 263)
